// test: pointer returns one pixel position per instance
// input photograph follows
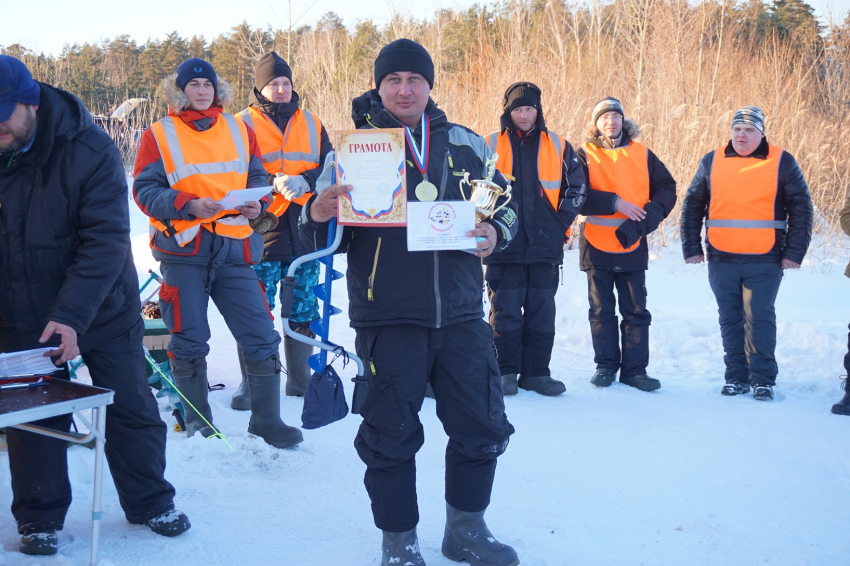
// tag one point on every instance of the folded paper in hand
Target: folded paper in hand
(28, 362)
(240, 196)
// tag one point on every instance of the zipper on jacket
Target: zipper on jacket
(437, 297)
(369, 290)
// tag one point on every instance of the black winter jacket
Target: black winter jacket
(541, 231)
(662, 199)
(279, 244)
(65, 232)
(430, 289)
(793, 202)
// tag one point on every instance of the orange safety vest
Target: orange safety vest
(549, 159)
(741, 212)
(624, 171)
(292, 152)
(207, 164)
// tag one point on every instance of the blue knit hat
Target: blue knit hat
(16, 85)
(195, 68)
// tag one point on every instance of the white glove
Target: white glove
(291, 186)
(324, 180)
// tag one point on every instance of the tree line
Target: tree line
(681, 68)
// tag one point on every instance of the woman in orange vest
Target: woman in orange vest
(293, 143)
(758, 217)
(187, 162)
(632, 194)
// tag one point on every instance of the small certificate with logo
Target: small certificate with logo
(372, 161)
(440, 225)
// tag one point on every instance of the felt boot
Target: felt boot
(467, 538)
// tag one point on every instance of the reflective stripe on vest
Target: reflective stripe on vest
(206, 164)
(549, 159)
(741, 213)
(624, 171)
(292, 152)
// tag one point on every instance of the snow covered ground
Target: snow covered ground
(680, 477)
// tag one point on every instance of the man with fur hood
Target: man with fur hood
(187, 162)
(632, 194)
(418, 317)
(293, 143)
(548, 186)
(68, 281)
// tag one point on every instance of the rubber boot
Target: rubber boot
(642, 382)
(297, 370)
(603, 377)
(264, 382)
(401, 548)
(190, 377)
(509, 386)
(241, 400)
(843, 406)
(542, 384)
(467, 538)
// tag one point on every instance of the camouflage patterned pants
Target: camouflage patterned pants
(305, 306)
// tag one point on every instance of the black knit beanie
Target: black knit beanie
(521, 94)
(607, 104)
(404, 55)
(270, 66)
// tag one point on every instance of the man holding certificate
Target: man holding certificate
(419, 319)
(188, 162)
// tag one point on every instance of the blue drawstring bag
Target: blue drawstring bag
(324, 400)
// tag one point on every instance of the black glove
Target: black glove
(628, 233)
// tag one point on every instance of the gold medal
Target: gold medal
(426, 191)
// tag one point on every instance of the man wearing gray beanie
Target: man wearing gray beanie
(418, 318)
(758, 217)
(632, 193)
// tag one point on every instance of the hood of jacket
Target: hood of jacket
(631, 131)
(177, 99)
(368, 109)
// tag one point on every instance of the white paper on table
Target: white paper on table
(27, 362)
(440, 225)
(240, 196)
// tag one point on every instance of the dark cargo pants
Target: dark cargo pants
(459, 362)
(135, 444)
(746, 293)
(239, 297)
(522, 314)
(634, 330)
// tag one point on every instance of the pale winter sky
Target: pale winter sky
(48, 25)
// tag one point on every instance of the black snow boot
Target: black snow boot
(190, 378)
(843, 406)
(401, 549)
(241, 400)
(733, 388)
(542, 384)
(467, 538)
(40, 542)
(509, 384)
(297, 369)
(603, 377)
(169, 524)
(642, 382)
(264, 381)
(762, 392)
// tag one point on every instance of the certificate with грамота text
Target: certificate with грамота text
(373, 162)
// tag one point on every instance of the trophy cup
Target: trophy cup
(485, 193)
